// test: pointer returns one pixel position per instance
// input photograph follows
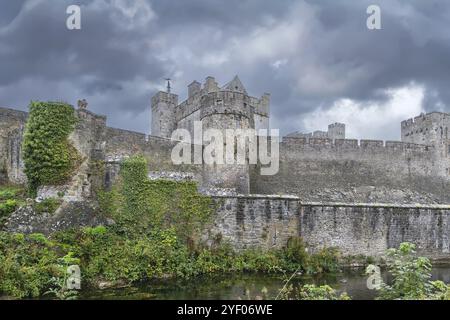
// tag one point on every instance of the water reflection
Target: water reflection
(243, 286)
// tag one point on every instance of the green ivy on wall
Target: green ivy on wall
(49, 157)
(139, 205)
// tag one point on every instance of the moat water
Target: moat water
(245, 286)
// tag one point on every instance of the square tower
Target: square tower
(336, 131)
(163, 114)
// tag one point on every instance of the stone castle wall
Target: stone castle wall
(356, 229)
(347, 171)
(12, 124)
(323, 170)
(315, 169)
(120, 144)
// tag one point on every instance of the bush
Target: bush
(296, 251)
(325, 260)
(48, 205)
(7, 207)
(411, 277)
(7, 192)
(27, 264)
(312, 292)
(11, 198)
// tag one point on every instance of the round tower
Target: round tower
(222, 109)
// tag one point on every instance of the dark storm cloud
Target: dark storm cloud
(308, 54)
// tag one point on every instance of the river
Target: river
(243, 286)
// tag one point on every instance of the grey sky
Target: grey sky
(316, 58)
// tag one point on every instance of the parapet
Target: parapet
(194, 88)
(371, 143)
(352, 143)
(293, 142)
(226, 102)
(162, 96)
(262, 105)
(6, 113)
(422, 118)
(211, 84)
(320, 141)
(86, 114)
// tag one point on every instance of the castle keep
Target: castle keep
(362, 196)
(227, 107)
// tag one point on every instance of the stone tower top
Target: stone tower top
(235, 85)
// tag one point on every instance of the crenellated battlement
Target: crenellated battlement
(208, 100)
(355, 144)
(226, 102)
(431, 128)
(310, 164)
(423, 118)
(13, 114)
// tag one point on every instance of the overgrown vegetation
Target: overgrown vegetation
(411, 277)
(155, 235)
(29, 265)
(48, 155)
(312, 292)
(139, 205)
(11, 198)
(48, 205)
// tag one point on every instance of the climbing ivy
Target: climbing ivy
(48, 155)
(140, 205)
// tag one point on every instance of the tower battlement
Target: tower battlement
(430, 128)
(203, 101)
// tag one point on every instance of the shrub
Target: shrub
(27, 264)
(296, 251)
(7, 207)
(311, 292)
(11, 198)
(411, 276)
(325, 260)
(48, 205)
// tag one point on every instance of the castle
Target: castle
(219, 107)
(318, 165)
(361, 196)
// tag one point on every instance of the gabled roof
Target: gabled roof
(235, 85)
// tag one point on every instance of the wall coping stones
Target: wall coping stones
(259, 196)
(378, 205)
(337, 204)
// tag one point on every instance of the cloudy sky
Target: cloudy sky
(317, 58)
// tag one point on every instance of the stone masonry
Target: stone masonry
(361, 196)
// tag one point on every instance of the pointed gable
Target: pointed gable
(235, 85)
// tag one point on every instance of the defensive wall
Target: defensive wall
(349, 170)
(255, 221)
(328, 180)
